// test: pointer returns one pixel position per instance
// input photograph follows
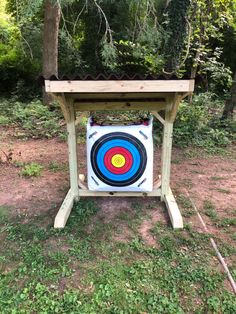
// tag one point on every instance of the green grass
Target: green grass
(83, 270)
(216, 178)
(31, 170)
(227, 222)
(4, 210)
(55, 166)
(223, 190)
(32, 119)
(186, 206)
(209, 210)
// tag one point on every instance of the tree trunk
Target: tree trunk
(231, 102)
(50, 41)
(193, 74)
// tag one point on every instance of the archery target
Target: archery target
(120, 158)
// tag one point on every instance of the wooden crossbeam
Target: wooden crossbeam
(85, 105)
(155, 192)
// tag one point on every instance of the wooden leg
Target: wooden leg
(173, 211)
(166, 194)
(73, 165)
(73, 194)
(64, 211)
(166, 157)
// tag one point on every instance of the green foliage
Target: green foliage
(4, 120)
(34, 118)
(55, 166)
(31, 170)
(219, 77)
(15, 64)
(209, 210)
(208, 22)
(130, 57)
(200, 123)
(176, 28)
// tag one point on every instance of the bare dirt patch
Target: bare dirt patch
(205, 179)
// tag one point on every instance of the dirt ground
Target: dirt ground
(205, 178)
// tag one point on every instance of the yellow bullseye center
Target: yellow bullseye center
(118, 160)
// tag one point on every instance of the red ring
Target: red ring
(118, 150)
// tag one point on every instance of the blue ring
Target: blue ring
(118, 143)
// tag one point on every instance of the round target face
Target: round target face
(118, 159)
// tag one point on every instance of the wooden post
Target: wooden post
(166, 154)
(72, 149)
(73, 194)
(166, 193)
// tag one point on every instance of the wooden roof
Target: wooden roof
(119, 86)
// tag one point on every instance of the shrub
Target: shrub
(32, 170)
(200, 123)
(35, 118)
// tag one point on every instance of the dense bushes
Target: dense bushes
(200, 123)
(197, 124)
(17, 68)
(34, 118)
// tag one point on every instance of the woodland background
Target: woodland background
(194, 38)
(119, 255)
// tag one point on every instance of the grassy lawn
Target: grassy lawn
(98, 265)
(84, 269)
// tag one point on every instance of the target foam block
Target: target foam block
(120, 158)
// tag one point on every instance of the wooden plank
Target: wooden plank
(155, 192)
(132, 86)
(157, 182)
(60, 98)
(174, 108)
(64, 211)
(119, 96)
(72, 149)
(173, 210)
(166, 155)
(119, 105)
(159, 118)
(82, 184)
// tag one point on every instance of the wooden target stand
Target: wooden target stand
(150, 95)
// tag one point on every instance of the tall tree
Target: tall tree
(177, 11)
(230, 103)
(50, 37)
(52, 15)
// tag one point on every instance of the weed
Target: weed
(209, 210)
(31, 170)
(176, 161)
(55, 167)
(223, 190)
(215, 178)
(136, 206)
(233, 236)
(186, 205)
(4, 120)
(4, 211)
(19, 164)
(35, 119)
(226, 222)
